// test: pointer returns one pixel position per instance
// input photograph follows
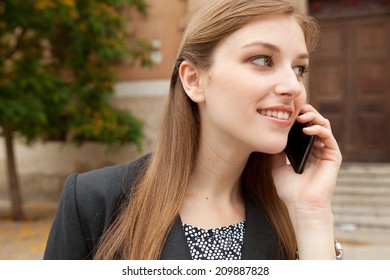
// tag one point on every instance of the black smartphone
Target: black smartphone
(298, 146)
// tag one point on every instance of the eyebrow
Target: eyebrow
(273, 48)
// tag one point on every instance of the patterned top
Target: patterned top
(224, 243)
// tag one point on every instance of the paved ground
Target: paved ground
(362, 216)
(25, 240)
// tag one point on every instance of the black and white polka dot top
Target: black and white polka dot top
(224, 243)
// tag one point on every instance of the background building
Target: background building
(349, 83)
(350, 75)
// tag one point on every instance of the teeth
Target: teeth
(275, 114)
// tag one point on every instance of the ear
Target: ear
(191, 81)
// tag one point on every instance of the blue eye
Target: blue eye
(300, 70)
(263, 60)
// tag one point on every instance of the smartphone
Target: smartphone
(298, 146)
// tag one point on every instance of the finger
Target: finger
(317, 150)
(308, 108)
(314, 118)
(326, 144)
(323, 134)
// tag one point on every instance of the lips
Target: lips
(282, 115)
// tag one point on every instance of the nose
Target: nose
(288, 84)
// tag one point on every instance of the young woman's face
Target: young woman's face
(254, 89)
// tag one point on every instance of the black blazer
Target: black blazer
(90, 201)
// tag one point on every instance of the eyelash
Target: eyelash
(304, 68)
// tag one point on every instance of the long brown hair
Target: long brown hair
(141, 229)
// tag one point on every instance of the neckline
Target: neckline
(215, 228)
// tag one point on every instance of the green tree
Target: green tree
(57, 70)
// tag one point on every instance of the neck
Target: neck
(214, 196)
(217, 174)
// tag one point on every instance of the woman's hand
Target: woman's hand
(314, 187)
(308, 196)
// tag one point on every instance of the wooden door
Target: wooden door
(350, 84)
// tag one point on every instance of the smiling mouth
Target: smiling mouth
(275, 114)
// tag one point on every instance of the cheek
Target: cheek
(300, 100)
(224, 77)
(225, 89)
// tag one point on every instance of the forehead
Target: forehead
(280, 30)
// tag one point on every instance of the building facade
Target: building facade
(349, 79)
(349, 83)
(350, 75)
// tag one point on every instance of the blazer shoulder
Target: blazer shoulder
(88, 204)
(116, 177)
(101, 189)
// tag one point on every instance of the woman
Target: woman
(217, 185)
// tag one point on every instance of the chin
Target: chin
(273, 149)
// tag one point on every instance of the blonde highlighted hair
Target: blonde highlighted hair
(140, 230)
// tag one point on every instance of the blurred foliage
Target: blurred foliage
(57, 68)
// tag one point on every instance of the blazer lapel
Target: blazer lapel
(176, 247)
(260, 240)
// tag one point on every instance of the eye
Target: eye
(263, 60)
(300, 70)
